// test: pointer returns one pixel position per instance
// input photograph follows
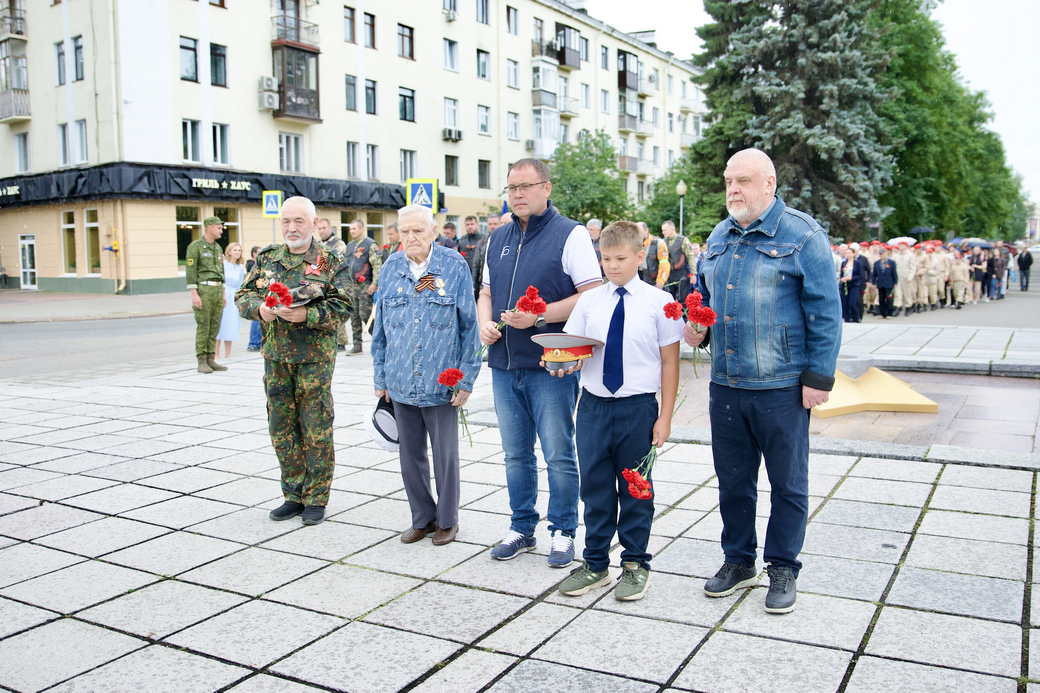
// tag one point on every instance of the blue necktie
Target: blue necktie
(613, 368)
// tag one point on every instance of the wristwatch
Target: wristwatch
(539, 322)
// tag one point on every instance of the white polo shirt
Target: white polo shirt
(647, 329)
(579, 259)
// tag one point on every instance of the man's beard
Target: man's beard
(298, 244)
(740, 213)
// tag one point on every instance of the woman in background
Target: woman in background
(234, 275)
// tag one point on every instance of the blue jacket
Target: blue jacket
(517, 259)
(885, 275)
(419, 334)
(779, 313)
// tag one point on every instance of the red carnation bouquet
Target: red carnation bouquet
(360, 278)
(698, 314)
(638, 484)
(278, 294)
(450, 378)
(529, 302)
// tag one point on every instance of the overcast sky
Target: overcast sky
(995, 49)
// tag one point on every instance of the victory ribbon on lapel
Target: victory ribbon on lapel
(425, 283)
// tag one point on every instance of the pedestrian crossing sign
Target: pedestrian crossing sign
(422, 191)
(271, 203)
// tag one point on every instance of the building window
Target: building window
(59, 54)
(513, 125)
(370, 96)
(539, 30)
(604, 57)
(77, 56)
(228, 215)
(372, 162)
(81, 141)
(565, 131)
(671, 84)
(406, 104)
(407, 164)
(483, 64)
(21, 146)
(450, 5)
(671, 157)
(671, 122)
(189, 227)
(484, 173)
(586, 96)
(370, 30)
(451, 55)
(352, 159)
(451, 113)
(406, 41)
(697, 126)
(93, 234)
(512, 73)
(289, 154)
(190, 150)
(604, 101)
(218, 65)
(640, 190)
(655, 116)
(684, 90)
(657, 155)
(583, 46)
(68, 240)
(349, 24)
(484, 120)
(220, 143)
(451, 170)
(483, 16)
(640, 150)
(189, 59)
(351, 92)
(512, 20)
(63, 143)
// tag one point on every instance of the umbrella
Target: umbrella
(955, 241)
(976, 243)
(901, 239)
(921, 231)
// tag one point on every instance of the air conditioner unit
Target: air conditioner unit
(529, 145)
(451, 134)
(267, 83)
(267, 101)
(450, 15)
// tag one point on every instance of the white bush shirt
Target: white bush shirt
(647, 329)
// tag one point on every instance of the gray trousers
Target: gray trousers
(413, 425)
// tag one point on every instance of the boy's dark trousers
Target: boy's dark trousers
(611, 435)
(745, 426)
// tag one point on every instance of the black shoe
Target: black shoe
(252, 348)
(313, 514)
(782, 592)
(356, 349)
(730, 578)
(341, 347)
(959, 306)
(286, 510)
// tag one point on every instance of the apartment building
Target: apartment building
(127, 122)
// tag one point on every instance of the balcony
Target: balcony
(646, 86)
(14, 105)
(687, 104)
(298, 103)
(627, 79)
(644, 128)
(686, 140)
(545, 49)
(296, 72)
(541, 148)
(627, 163)
(568, 107)
(543, 97)
(627, 123)
(12, 22)
(294, 30)
(645, 167)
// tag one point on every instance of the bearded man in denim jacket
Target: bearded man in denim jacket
(426, 322)
(768, 274)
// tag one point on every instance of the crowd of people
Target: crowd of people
(904, 278)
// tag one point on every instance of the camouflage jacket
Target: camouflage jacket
(317, 270)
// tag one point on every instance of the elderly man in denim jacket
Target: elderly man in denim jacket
(768, 274)
(426, 322)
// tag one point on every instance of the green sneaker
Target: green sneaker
(581, 580)
(634, 581)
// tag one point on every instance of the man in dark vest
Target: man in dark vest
(546, 250)
(680, 251)
(364, 259)
(654, 270)
(469, 245)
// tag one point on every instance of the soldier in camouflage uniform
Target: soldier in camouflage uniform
(299, 350)
(204, 273)
(335, 245)
(364, 261)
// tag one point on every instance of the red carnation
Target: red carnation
(524, 304)
(287, 299)
(703, 315)
(532, 292)
(538, 306)
(450, 377)
(278, 288)
(271, 301)
(694, 300)
(673, 310)
(359, 278)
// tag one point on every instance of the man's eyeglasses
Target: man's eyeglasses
(522, 187)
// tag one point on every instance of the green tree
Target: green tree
(663, 203)
(586, 179)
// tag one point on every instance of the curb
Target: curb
(83, 318)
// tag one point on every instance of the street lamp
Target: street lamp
(680, 190)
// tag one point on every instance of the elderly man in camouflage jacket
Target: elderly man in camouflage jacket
(299, 350)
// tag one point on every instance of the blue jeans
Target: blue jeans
(529, 402)
(745, 426)
(255, 335)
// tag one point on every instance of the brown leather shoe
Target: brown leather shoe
(445, 536)
(412, 535)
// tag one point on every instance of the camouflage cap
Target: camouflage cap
(209, 221)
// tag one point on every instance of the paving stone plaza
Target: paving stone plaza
(136, 554)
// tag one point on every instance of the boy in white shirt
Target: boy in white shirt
(618, 418)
